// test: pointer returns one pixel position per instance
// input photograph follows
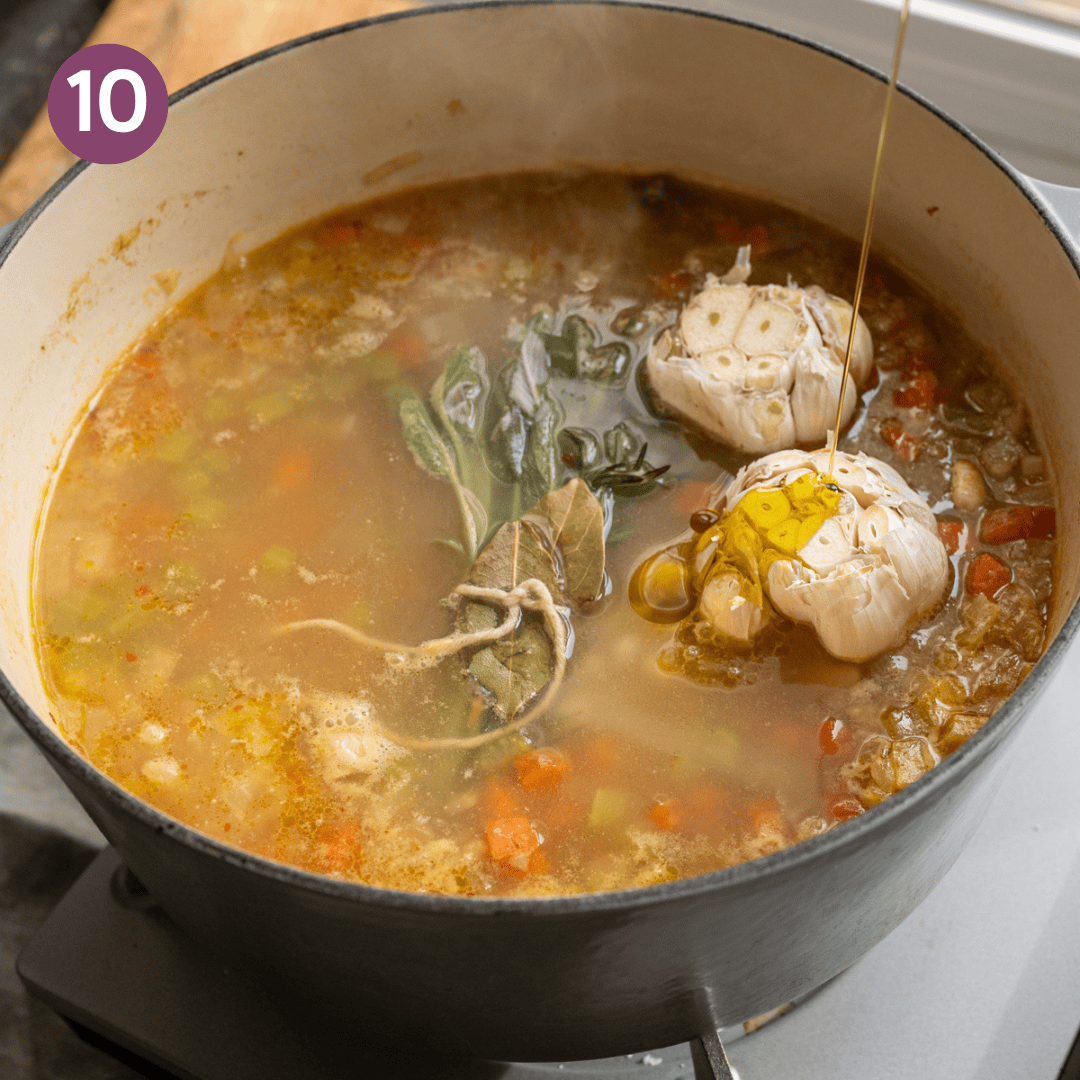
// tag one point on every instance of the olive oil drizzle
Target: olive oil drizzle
(890, 95)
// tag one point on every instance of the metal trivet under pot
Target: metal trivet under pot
(111, 963)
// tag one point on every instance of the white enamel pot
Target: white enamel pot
(471, 90)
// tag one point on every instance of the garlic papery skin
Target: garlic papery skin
(867, 571)
(759, 367)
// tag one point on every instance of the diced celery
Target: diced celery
(205, 509)
(215, 460)
(132, 618)
(277, 559)
(608, 808)
(181, 580)
(190, 481)
(338, 383)
(496, 754)
(217, 409)
(176, 446)
(270, 407)
(379, 366)
(724, 745)
(359, 615)
(206, 689)
(78, 606)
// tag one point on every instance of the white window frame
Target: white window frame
(1010, 73)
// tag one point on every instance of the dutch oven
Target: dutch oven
(485, 88)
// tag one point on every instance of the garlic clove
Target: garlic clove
(712, 318)
(857, 612)
(768, 327)
(728, 611)
(833, 317)
(768, 371)
(815, 394)
(830, 545)
(727, 364)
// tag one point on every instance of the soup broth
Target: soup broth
(249, 532)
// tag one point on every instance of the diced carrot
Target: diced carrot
(757, 236)
(907, 321)
(691, 495)
(142, 590)
(415, 244)
(766, 814)
(338, 845)
(406, 346)
(668, 815)
(709, 801)
(335, 234)
(903, 444)
(563, 814)
(538, 861)
(148, 360)
(542, 769)
(843, 806)
(130, 657)
(497, 800)
(922, 357)
(950, 533)
(987, 575)
(729, 230)
(511, 841)
(923, 391)
(1017, 523)
(147, 518)
(673, 284)
(834, 736)
(292, 469)
(602, 752)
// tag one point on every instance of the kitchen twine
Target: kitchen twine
(531, 595)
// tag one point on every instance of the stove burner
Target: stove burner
(111, 963)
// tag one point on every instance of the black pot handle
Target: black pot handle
(710, 1060)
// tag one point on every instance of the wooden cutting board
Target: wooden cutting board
(186, 39)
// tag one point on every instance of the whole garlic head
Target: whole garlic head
(861, 575)
(758, 367)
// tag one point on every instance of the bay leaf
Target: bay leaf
(574, 521)
(515, 669)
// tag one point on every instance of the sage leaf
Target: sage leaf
(428, 449)
(460, 392)
(458, 399)
(523, 425)
(575, 352)
(433, 454)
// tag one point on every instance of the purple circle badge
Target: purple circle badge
(108, 104)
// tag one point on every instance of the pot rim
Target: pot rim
(732, 878)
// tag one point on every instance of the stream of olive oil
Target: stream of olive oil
(868, 229)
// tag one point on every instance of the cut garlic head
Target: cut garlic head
(759, 367)
(855, 555)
